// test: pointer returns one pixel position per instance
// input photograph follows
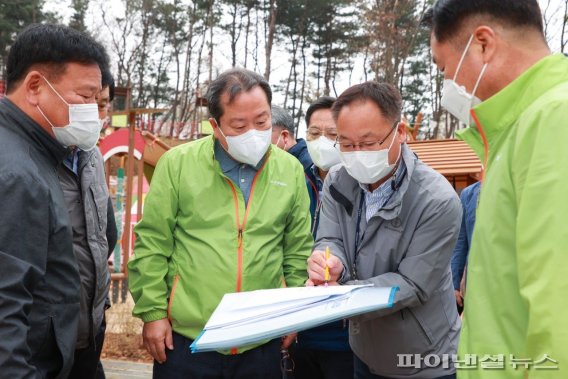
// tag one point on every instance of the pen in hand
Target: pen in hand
(326, 267)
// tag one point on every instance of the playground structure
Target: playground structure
(135, 148)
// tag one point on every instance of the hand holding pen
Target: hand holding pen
(323, 267)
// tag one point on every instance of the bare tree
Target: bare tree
(124, 46)
(564, 35)
(392, 26)
(147, 21)
(234, 28)
(249, 5)
(270, 32)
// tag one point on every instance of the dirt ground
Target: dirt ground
(123, 346)
(123, 337)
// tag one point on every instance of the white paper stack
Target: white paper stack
(246, 318)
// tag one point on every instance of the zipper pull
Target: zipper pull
(240, 237)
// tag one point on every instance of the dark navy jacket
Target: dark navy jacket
(300, 151)
(333, 336)
(468, 199)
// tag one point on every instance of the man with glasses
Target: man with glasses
(283, 136)
(227, 213)
(389, 220)
(320, 137)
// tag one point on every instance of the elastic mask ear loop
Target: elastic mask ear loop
(224, 136)
(54, 90)
(46, 119)
(463, 57)
(478, 80)
(392, 143)
(220, 131)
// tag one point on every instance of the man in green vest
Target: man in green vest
(502, 80)
(226, 213)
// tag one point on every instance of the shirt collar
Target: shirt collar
(71, 160)
(315, 172)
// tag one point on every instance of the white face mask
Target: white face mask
(455, 98)
(323, 153)
(83, 128)
(249, 147)
(368, 167)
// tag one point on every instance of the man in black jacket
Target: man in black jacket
(53, 75)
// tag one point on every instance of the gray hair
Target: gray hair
(233, 82)
(282, 118)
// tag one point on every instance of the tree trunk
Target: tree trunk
(248, 9)
(235, 33)
(272, 13)
(186, 87)
(146, 24)
(304, 69)
(563, 37)
(255, 54)
(292, 65)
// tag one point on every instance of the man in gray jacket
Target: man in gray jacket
(82, 178)
(390, 220)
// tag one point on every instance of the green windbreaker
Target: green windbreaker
(197, 240)
(517, 283)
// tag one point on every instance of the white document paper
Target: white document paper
(250, 317)
(236, 308)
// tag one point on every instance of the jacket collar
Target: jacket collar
(300, 151)
(346, 191)
(28, 129)
(514, 99)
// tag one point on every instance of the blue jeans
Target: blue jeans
(262, 362)
(362, 371)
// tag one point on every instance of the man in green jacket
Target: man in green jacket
(226, 213)
(514, 94)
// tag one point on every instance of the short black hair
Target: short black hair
(446, 17)
(282, 118)
(51, 46)
(324, 102)
(234, 81)
(384, 95)
(108, 81)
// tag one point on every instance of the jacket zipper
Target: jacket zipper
(241, 226)
(318, 203)
(485, 144)
(240, 231)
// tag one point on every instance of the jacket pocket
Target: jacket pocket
(100, 205)
(41, 334)
(413, 321)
